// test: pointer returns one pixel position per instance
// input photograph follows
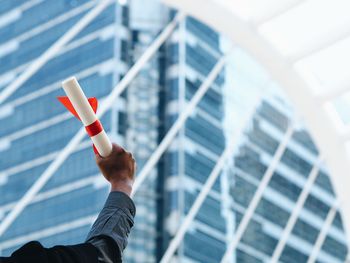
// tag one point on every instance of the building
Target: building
(192, 53)
(269, 125)
(153, 108)
(38, 127)
(142, 123)
(255, 150)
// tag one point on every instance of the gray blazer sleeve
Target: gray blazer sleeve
(109, 234)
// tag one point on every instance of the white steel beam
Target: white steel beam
(175, 242)
(286, 8)
(42, 91)
(295, 213)
(50, 231)
(322, 235)
(258, 195)
(73, 143)
(333, 94)
(52, 22)
(179, 123)
(296, 87)
(62, 189)
(52, 51)
(344, 132)
(320, 45)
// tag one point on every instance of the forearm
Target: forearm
(105, 243)
(110, 231)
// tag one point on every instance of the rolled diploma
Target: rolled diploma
(86, 114)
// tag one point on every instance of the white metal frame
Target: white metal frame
(258, 195)
(279, 12)
(50, 231)
(52, 22)
(73, 143)
(228, 151)
(299, 90)
(185, 224)
(179, 123)
(283, 71)
(53, 50)
(322, 235)
(295, 213)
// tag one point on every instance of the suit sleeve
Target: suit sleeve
(105, 243)
(35, 252)
(109, 234)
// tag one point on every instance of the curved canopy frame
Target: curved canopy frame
(332, 146)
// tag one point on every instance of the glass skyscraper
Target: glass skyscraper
(256, 151)
(142, 123)
(192, 53)
(36, 127)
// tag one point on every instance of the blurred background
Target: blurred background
(244, 133)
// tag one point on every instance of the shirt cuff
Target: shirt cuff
(120, 200)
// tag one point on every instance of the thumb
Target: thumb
(98, 158)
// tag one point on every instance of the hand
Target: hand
(118, 168)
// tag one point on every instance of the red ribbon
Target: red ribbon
(94, 128)
(69, 106)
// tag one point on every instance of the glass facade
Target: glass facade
(192, 53)
(37, 127)
(142, 124)
(256, 148)
(269, 125)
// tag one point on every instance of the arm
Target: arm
(110, 231)
(35, 252)
(108, 236)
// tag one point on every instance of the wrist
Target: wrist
(125, 187)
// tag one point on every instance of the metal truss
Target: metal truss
(296, 211)
(282, 70)
(322, 235)
(295, 84)
(258, 195)
(279, 12)
(227, 153)
(53, 50)
(73, 143)
(179, 123)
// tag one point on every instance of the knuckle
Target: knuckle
(117, 148)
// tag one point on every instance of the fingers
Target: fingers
(135, 167)
(117, 152)
(132, 159)
(117, 149)
(131, 156)
(98, 158)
